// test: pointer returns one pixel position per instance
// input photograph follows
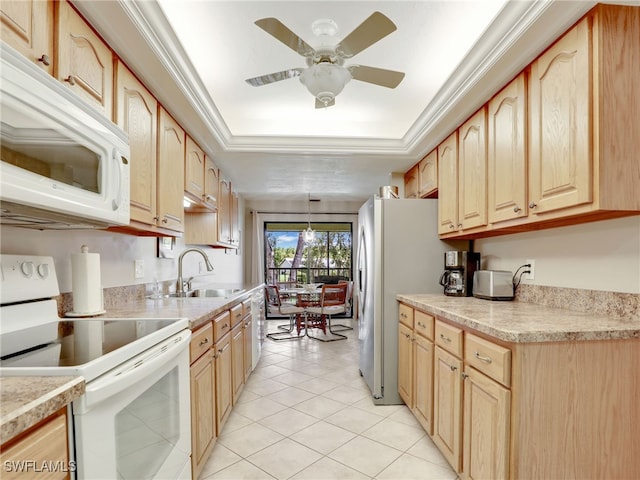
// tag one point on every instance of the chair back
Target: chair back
(334, 294)
(273, 297)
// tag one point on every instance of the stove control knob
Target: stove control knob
(27, 269)
(43, 270)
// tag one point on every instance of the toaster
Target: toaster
(493, 284)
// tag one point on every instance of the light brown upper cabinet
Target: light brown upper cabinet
(584, 116)
(507, 167)
(411, 182)
(224, 212)
(211, 183)
(84, 61)
(170, 190)
(137, 114)
(448, 185)
(428, 174)
(194, 172)
(472, 175)
(27, 25)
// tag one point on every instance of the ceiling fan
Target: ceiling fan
(326, 75)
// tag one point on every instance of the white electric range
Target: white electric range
(133, 421)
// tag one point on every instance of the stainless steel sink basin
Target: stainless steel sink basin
(209, 292)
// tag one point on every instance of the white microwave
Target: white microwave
(64, 165)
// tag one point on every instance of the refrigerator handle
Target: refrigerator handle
(362, 257)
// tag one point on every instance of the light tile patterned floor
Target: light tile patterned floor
(306, 414)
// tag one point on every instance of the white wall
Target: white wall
(117, 254)
(596, 256)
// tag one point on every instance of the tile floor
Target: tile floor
(305, 414)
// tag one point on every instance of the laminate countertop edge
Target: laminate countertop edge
(521, 322)
(25, 401)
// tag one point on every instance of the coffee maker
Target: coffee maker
(459, 267)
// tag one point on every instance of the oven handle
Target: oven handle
(135, 370)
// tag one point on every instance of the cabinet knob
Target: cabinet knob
(480, 357)
(451, 226)
(464, 375)
(445, 338)
(45, 59)
(164, 220)
(453, 368)
(70, 79)
(532, 205)
(204, 342)
(517, 209)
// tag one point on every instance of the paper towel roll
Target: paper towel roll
(86, 283)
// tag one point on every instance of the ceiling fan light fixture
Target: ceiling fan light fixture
(325, 81)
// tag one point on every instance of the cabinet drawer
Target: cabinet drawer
(489, 358)
(221, 326)
(449, 338)
(405, 315)
(246, 308)
(423, 324)
(236, 314)
(201, 341)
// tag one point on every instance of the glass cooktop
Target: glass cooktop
(89, 341)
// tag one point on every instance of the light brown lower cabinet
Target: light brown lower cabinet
(447, 407)
(501, 410)
(224, 360)
(237, 362)
(44, 445)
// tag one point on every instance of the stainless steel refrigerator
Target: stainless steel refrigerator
(398, 252)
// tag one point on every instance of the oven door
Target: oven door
(134, 421)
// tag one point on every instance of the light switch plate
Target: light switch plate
(138, 268)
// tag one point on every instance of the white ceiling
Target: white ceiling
(271, 141)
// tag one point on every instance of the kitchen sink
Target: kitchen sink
(208, 292)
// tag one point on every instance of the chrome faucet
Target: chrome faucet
(180, 283)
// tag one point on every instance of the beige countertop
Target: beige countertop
(524, 322)
(198, 310)
(24, 401)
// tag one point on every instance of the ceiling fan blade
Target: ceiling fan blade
(377, 76)
(281, 32)
(319, 104)
(374, 28)
(274, 77)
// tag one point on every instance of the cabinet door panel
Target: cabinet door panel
(428, 174)
(27, 25)
(423, 382)
(448, 185)
(203, 422)
(472, 178)
(223, 381)
(561, 157)
(507, 174)
(405, 364)
(194, 171)
(487, 407)
(447, 406)
(85, 62)
(136, 114)
(170, 170)
(211, 183)
(237, 362)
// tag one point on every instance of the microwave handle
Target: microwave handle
(120, 160)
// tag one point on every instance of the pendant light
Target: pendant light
(308, 235)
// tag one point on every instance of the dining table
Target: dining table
(305, 297)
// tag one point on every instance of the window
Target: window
(289, 261)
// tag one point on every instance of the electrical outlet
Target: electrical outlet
(138, 268)
(532, 270)
(201, 267)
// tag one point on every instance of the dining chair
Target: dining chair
(277, 307)
(332, 302)
(340, 327)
